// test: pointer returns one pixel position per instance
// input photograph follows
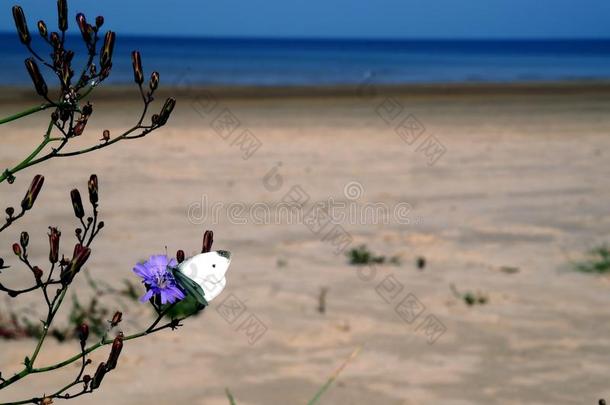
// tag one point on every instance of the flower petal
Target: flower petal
(146, 297)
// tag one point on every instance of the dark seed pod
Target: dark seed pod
(37, 79)
(22, 25)
(24, 239)
(10, 211)
(91, 31)
(64, 115)
(54, 39)
(93, 189)
(54, 236)
(99, 21)
(107, 50)
(77, 204)
(37, 273)
(17, 249)
(68, 56)
(98, 376)
(154, 119)
(83, 334)
(166, 111)
(87, 109)
(208, 240)
(79, 128)
(113, 358)
(30, 197)
(42, 29)
(79, 258)
(66, 75)
(105, 135)
(154, 81)
(62, 14)
(138, 73)
(81, 21)
(180, 256)
(116, 319)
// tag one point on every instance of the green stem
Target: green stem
(47, 325)
(25, 113)
(47, 139)
(26, 371)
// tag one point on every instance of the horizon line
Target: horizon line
(344, 39)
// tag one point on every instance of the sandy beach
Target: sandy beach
(519, 192)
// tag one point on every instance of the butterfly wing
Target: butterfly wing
(207, 270)
(191, 288)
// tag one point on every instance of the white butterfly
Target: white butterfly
(208, 270)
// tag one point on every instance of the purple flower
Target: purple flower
(158, 279)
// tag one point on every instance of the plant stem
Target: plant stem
(25, 113)
(26, 371)
(47, 325)
(25, 163)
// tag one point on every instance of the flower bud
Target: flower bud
(98, 376)
(81, 21)
(154, 119)
(117, 346)
(46, 401)
(22, 25)
(87, 109)
(208, 239)
(83, 334)
(99, 21)
(54, 39)
(64, 115)
(166, 111)
(24, 239)
(37, 79)
(62, 14)
(32, 193)
(77, 204)
(116, 319)
(66, 75)
(54, 235)
(105, 136)
(180, 256)
(93, 189)
(136, 62)
(107, 49)
(37, 273)
(10, 211)
(81, 254)
(100, 225)
(42, 29)
(17, 249)
(154, 81)
(79, 128)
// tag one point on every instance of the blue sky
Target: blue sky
(402, 19)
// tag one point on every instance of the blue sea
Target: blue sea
(270, 62)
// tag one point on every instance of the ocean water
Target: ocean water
(260, 62)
